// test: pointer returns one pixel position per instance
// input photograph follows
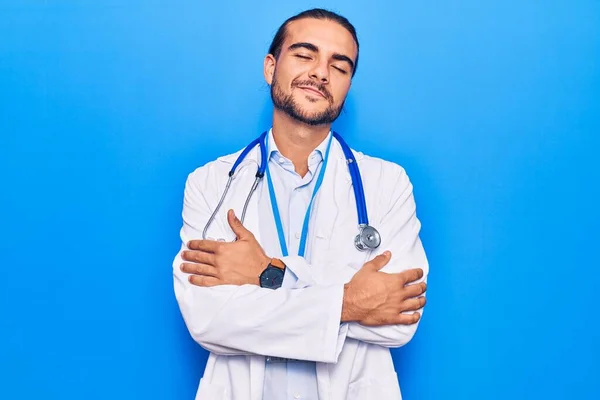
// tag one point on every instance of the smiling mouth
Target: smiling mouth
(312, 91)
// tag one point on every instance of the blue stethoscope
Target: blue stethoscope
(368, 238)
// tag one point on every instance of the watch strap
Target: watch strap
(277, 263)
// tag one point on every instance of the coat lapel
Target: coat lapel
(241, 185)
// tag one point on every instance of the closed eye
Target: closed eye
(302, 56)
(343, 71)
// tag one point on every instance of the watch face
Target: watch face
(271, 278)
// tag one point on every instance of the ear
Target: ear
(269, 68)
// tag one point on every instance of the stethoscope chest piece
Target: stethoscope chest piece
(367, 239)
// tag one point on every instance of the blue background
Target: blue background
(493, 108)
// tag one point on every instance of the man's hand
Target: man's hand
(219, 263)
(375, 298)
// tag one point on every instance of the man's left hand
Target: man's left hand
(214, 263)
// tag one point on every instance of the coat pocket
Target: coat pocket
(210, 391)
(384, 387)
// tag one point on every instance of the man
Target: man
(325, 331)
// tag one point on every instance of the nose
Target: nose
(320, 72)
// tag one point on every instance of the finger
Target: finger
(379, 262)
(204, 281)
(208, 246)
(413, 304)
(415, 289)
(411, 275)
(198, 257)
(199, 269)
(236, 225)
(407, 319)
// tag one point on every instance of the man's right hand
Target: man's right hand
(375, 298)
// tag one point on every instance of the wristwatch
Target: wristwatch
(272, 276)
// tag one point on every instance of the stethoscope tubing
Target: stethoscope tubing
(357, 185)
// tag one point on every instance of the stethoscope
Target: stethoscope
(368, 237)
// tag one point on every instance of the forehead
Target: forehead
(328, 36)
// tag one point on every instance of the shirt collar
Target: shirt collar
(319, 152)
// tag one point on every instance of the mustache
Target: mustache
(320, 87)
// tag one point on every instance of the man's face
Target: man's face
(312, 75)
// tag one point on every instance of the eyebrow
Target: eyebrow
(312, 47)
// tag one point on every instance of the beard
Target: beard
(287, 104)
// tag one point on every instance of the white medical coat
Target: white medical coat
(240, 325)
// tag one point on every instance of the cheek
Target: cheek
(286, 73)
(340, 92)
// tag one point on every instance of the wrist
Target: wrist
(348, 310)
(264, 264)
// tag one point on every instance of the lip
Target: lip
(312, 91)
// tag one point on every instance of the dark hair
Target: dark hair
(316, 13)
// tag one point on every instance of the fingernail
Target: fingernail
(387, 253)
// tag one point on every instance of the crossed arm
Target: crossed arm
(216, 285)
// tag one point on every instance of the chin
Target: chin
(310, 112)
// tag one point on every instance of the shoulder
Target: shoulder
(386, 183)
(217, 168)
(379, 169)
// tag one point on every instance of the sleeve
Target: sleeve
(241, 320)
(399, 228)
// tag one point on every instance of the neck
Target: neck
(296, 140)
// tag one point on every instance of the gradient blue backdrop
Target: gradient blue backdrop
(493, 107)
